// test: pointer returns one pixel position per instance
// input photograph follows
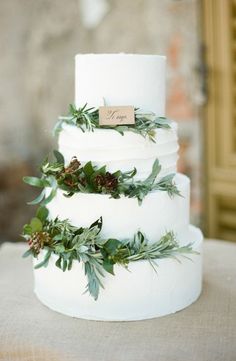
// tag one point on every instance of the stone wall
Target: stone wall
(39, 39)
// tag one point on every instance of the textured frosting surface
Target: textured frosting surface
(139, 294)
(138, 80)
(108, 147)
(123, 217)
(121, 79)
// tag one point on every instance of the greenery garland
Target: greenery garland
(90, 179)
(86, 245)
(87, 119)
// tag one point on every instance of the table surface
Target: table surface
(205, 331)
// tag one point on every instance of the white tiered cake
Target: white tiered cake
(137, 80)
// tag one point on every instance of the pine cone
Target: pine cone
(111, 182)
(69, 182)
(108, 181)
(38, 241)
(100, 180)
(73, 166)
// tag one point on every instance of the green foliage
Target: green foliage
(42, 214)
(59, 157)
(46, 181)
(98, 255)
(167, 184)
(87, 119)
(139, 189)
(36, 225)
(36, 182)
(90, 179)
(38, 199)
(45, 261)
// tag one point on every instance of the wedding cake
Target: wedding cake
(111, 239)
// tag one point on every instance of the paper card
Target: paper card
(117, 115)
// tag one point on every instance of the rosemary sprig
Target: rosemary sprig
(98, 255)
(87, 119)
(90, 179)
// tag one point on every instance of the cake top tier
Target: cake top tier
(121, 79)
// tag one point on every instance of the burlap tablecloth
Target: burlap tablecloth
(206, 331)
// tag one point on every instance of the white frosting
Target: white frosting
(108, 147)
(135, 295)
(121, 79)
(123, 217)
(137, 80)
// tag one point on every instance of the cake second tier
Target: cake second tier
(123, 217)
(121, 152)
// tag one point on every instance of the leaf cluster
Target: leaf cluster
(98, 255)
(87, 119)
(90, 179)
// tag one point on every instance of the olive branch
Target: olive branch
(87, 119)
(75, 178)
(87, 246)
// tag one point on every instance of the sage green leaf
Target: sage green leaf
(111, 246)
(59, 157)
(27, 230)
(36, 225)
(156, 168)
(108, 266)
(93, 280)
(64, 265)
(166, 179)
(58, 237)
(27, 253)
(38, 199)
(88, 169)
(70, 263)
(118, 174)
(48, 168)
(57, 128)
(36, 182)
(42, 214)
(72, 108)
(58, 262)
(59, 248)
(45, 261)
(50, 197)
(167, 184)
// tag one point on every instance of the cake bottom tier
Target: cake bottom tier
(137, 294)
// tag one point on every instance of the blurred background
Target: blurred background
(39, 39)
